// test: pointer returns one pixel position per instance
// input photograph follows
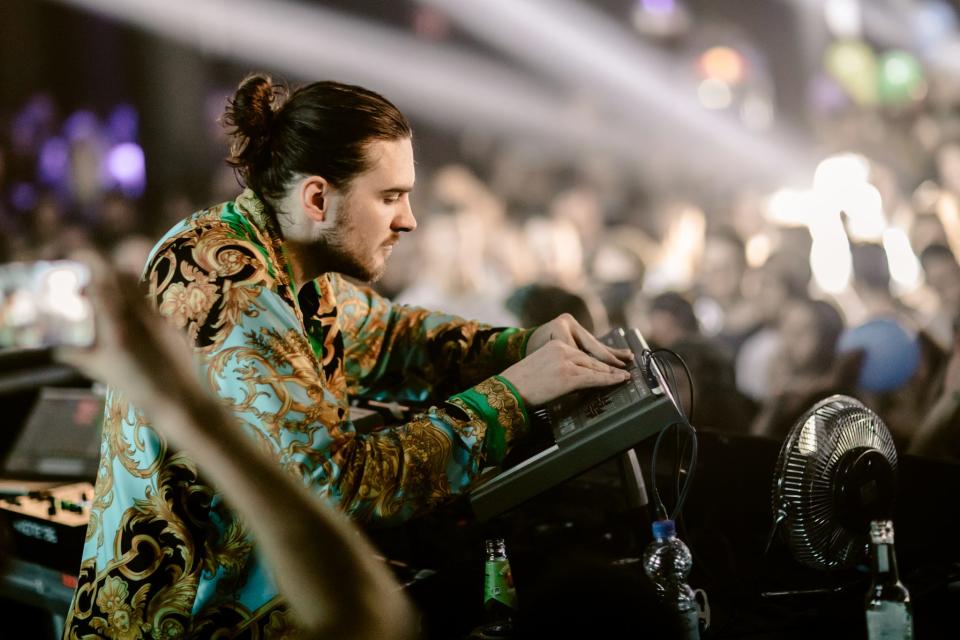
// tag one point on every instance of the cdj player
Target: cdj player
(589, 427)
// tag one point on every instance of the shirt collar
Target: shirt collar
(264, 218)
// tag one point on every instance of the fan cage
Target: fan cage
(804, 488)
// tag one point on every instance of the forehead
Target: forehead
(391, 164)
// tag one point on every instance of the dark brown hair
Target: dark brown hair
(321, 129)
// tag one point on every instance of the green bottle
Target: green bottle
(889, 613)
(499, 596)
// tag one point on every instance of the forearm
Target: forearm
(323, 566)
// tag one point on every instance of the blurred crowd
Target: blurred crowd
(511, 237)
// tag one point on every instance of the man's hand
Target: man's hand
(556, 369)
(567, 330)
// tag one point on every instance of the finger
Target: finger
(587, 361)
(588, 378)
(588, 343)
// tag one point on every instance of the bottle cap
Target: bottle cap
(881, 531)
(663, 529)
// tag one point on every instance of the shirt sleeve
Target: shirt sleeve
(257, 359)
(397, 352)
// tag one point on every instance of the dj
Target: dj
(285, 341)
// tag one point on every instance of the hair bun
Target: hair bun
(250, 114)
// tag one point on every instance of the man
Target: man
(286, 341)
(942, 274)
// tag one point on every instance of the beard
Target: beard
(341, 252)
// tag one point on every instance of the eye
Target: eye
(392, 199)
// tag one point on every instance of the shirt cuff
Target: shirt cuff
(503, 411)
(511, 345)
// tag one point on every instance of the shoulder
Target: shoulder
(208, 273)
(212, 245)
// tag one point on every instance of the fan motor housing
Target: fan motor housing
(864, 486)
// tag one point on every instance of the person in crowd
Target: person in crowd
(808, 367)
(143, 357)
(716, 404)
(942, 275)
(871, 283)
(939, 432)
(669, 319)
(535, 304)
(617, 269)
(903, 406)
(721, 306)
(784, 277)
(285, 340)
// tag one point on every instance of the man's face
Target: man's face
(722, 270)
(372, 211)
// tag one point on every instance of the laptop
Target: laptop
(60, 440)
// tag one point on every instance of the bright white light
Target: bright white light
(864, 208)
(904, 266)
(838, 173)
(758, 249)
(842, 17)
(61, 295)
(714, 94)
(678, 255)
(830, 261)
(792, 207)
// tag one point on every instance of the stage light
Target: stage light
(901, 78)
(658, 6)
(723, 63)
(53, 161)
(126, 166)
(758, 249)
(843, 18)
(839, 172)
(714, 94)
(660, 18)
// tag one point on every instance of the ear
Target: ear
(314, 192)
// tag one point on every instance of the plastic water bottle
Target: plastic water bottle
(667, 561)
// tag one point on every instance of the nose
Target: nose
(404, 221)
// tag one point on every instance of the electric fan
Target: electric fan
(836, 472)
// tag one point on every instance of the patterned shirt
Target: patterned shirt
(164, 556)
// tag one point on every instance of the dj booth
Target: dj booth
(572, 506)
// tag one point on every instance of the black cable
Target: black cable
(686, 370)
(681, 498)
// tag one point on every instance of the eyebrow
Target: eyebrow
(397, 190)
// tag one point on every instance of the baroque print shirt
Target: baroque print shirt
(164, 556)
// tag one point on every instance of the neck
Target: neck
(304, 261)
(299, 241)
